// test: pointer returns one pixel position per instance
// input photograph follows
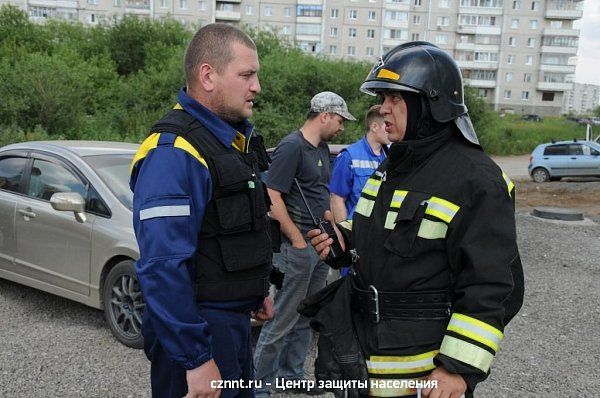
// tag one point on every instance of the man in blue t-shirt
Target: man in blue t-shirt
(355, 164)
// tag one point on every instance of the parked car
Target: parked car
(532, 118)
(66, 226)
(551, 161)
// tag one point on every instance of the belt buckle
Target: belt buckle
(376, 300)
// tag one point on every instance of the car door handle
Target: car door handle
(573, 158)
(27, 213)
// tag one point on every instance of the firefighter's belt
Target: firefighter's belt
(376, 305)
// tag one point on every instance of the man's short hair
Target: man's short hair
(212, 45)
(373, 114)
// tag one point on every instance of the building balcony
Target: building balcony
(479, 30)
(563, 14)
(395, 24)
(316, 20)
(54, 3)
(548, 86)
(308, 38)
(393, 42)
(229, 1)
(477, 64)
(481, 10)
(561, 32)
(557, 68)
(397, 6)
(478, 47)
(559, 50)
(476, 83)
(311, 2)
(227, 15)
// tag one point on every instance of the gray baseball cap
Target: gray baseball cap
(330, 102)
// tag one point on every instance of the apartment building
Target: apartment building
(583, 99)
(517, 54)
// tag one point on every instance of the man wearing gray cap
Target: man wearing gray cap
(302, 155)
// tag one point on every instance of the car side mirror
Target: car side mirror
(69, 201)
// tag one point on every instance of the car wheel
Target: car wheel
(124, 305)
(540, 175)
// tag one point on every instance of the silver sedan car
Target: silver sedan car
(66, 226)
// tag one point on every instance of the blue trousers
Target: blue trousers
(232, 352)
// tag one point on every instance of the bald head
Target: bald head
(212, 45)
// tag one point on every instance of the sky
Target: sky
(588, 54)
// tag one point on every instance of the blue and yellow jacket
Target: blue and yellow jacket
(172, 186)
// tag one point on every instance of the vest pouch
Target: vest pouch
(232, 173)
(407, 220)
(245, 251)
(402, 334)
(234, 213)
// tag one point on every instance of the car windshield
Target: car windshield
(114, 171)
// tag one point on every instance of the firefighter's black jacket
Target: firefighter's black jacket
(438, 216)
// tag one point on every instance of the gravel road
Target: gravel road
(52, 347)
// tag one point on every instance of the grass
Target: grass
(509, 135)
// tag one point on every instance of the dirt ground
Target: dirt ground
(574, 193)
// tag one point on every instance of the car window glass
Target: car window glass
(11, 170)
(586, 150)
(48, 178)
(555, 150)
(575, 149)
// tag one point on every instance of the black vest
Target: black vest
(233, 256)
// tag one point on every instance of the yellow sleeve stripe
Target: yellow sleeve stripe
(476, 330)
(181, 143)
(477, 323)
(149, 143)
(467, 353)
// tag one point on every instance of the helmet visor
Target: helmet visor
(373, 87)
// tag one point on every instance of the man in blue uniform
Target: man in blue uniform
(355, 164)
(201, 225)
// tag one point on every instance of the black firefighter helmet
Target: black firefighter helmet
(424, 68)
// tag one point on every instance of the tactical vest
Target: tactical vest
(233, 256)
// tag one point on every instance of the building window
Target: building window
(395, 34)
(332, 49)
(287, 12)
(353, 14)
(507, 94)
(396, 16)
(415, 37)
(533, 24)
(510, 60)
(249, 10)
(444, 4)
(534, 5)
(509, 77)
(556, 24)
(164, 4)
(93, 2)
(286, 30)
(529, 60)
(183, 4)
(333, 31)
(417, 19)
(512, 41)
(352, 32)
(335, 13)
(443, 21)
(268, 11)
(525, 95)
(531, 42)
(351, 50)
(482, 93)
(527, 77)
(516, 5)
(547, 96)
(202, 5)
(514, 24)
(441, 39)
(370, 52)
(117, 3)
(370, 33)
(371, 15)
(417, 3)
(308, 29)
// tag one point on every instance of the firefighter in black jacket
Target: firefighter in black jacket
(437, 272)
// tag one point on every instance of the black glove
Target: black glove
(340, 358)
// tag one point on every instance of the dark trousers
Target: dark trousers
(232, 352)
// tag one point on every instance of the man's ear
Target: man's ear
(323, 117)
(206, 77)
